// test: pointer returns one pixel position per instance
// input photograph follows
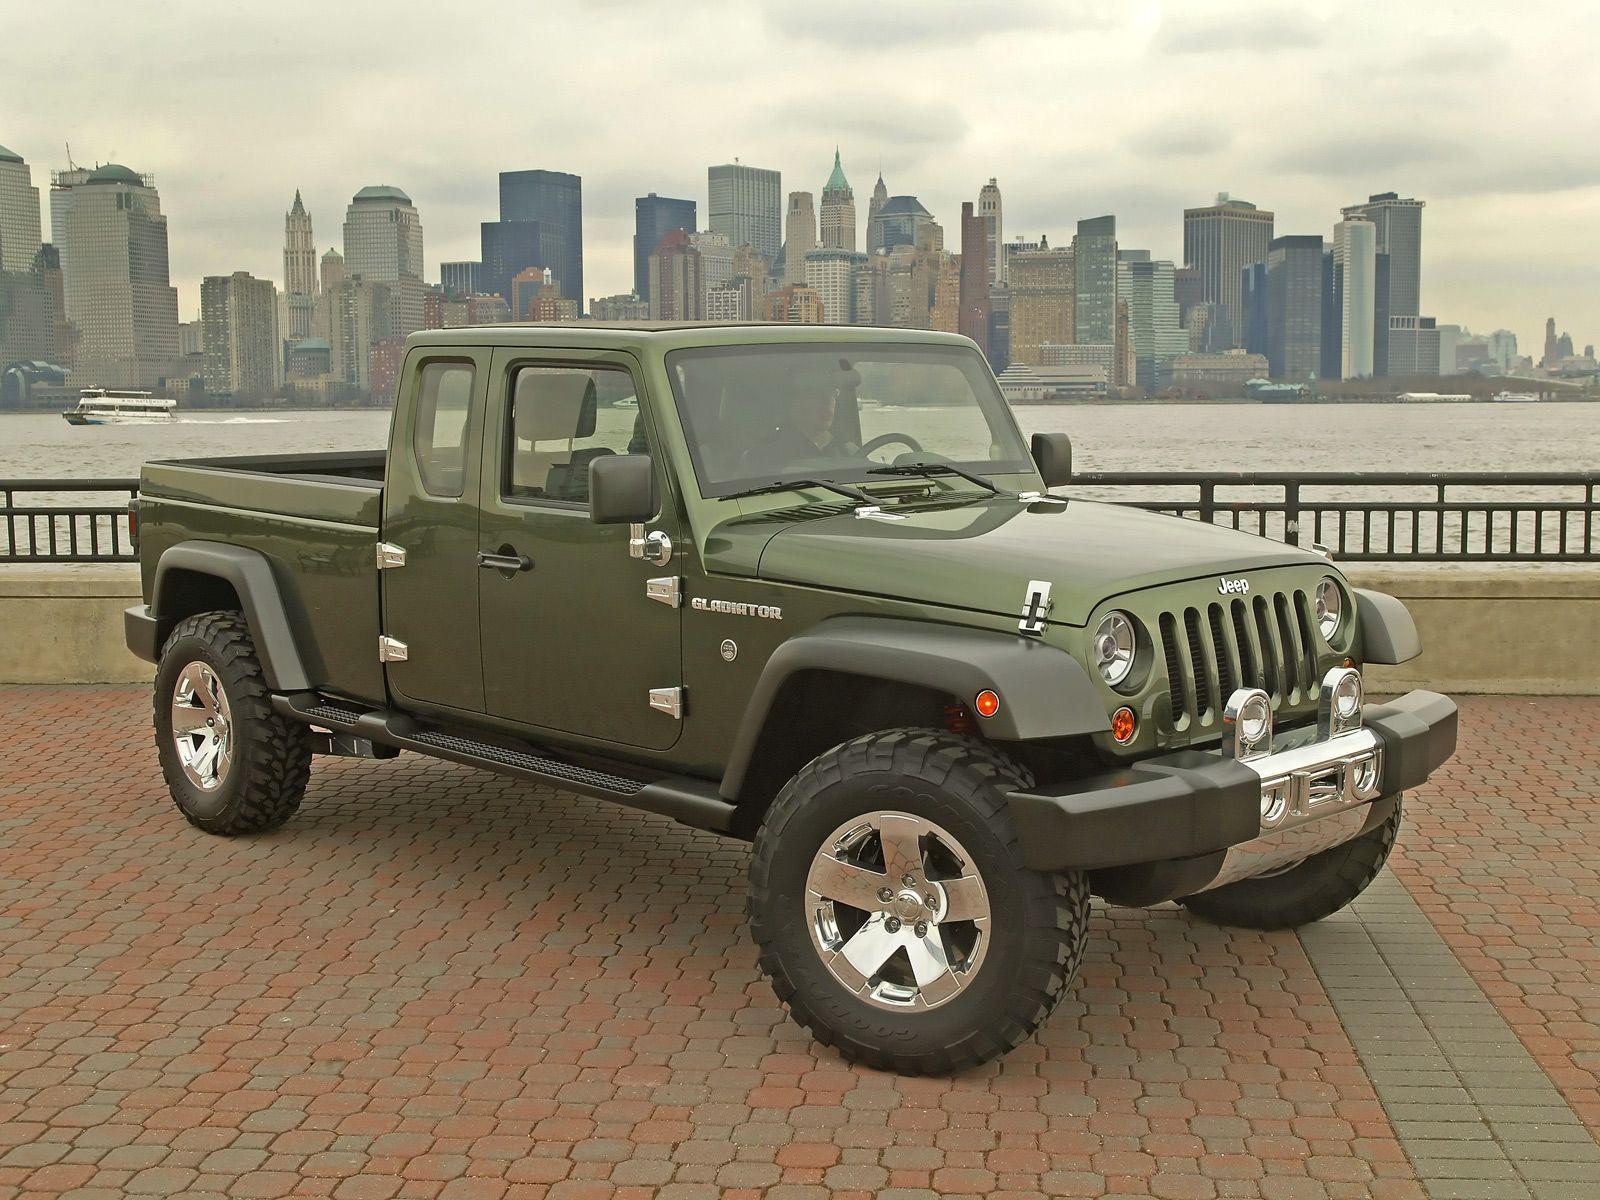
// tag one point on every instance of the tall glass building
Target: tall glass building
(746, 203)
(555, 200)
(1294, 306)
(19, 214)
(653, 216)
(1094, 264)
(1219, 242)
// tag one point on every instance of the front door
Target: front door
(571, 642)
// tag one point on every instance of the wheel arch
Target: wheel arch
(905, 671)
(199, 576)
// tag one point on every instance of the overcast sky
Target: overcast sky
(1078, 107)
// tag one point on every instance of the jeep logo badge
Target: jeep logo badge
(1232, 587)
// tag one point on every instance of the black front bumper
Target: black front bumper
(1192, 806)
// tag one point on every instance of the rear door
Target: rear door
(572, 641)
(430, 604)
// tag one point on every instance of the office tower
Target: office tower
(872, 290)
(1398, 225)
(460, 278)
(838, 210)
(1219, 241)
(332, 269)
(19, 214)
(555, 200)
(880, 197)
(1094, 264)
(1413, 345)
(944, 311)
(799, 236)
(677, 285)
(832, 274)
(1253, 300)
(973, 321)
(1503, 350)
(1294, 306)
(118, 294)
(383, 245)
(358, 312)
(511, 247)
(629, 307)
(900, 222)
(716, 262)
(299, 271)
(989, 209)
(1154, 335)
(536, 296)
(653, 216)
(746, 204)
(239, 336)
(1552, 350)
(1355, 261)
(1042, 302)
(1450, 344)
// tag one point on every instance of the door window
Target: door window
(439, 428)
(562, 418)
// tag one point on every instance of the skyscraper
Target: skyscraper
(746, 203)
(1094, 264)
(677, 286)
(1294, 306)
(1399, 235)
(990, 210)
(507, 248)
(1355, 260)
(974, 288)
(460, 278)
(118, 293)
(383, 244)
(838, 210)
(19, 214)
(1219, 241)
(833, 274)
(880, 197)
(901, 221)
(1042, 296)
(299, 270)
(653, 216)
(1156, 338)
(799, 236)
(555, 200)
(239, 336)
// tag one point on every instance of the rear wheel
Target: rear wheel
(893, 910)
(1305, 892)
(232, 763)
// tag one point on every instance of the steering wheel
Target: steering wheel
(889, 439)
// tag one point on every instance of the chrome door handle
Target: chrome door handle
(504, 562)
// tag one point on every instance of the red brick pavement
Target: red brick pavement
(1503, 854)
(439, 983)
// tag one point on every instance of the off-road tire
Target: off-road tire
(1038, 922)
(271, 758)
(1316, 888)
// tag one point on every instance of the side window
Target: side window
(561, 420)
(439, 426)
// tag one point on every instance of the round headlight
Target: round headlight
(1330, 608)
(1114, 647)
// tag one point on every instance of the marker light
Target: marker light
(1122, 725)
(987, 703)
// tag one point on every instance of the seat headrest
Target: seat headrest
(554, 406)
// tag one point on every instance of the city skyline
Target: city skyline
(1156, 120)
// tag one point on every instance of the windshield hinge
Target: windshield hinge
(1034, 607)
(668, 700)
(1040, 498)
(874, 512)
(667, 590)
(392, 650)
(390, 556)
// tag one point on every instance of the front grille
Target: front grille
(1261, 641)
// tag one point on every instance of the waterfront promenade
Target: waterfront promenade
(439, 983)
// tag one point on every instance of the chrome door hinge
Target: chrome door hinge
(391, 650)
(654, 547)
(666, 590)
(668, 700)
(390, 556)
(1034, 607)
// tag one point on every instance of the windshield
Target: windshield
(761, 414)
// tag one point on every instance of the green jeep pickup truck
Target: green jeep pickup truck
(805, 587)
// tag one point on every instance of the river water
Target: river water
(1105, 437)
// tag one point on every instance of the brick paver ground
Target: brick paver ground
(440, 983)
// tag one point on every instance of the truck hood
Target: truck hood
(981, 555)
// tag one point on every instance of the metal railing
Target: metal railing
(1382, 516)
(66, 520)
(1390, 516)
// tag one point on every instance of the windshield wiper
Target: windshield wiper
(927, 469)
(786, 485)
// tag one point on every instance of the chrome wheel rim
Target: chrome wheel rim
(897, 911)
(202, 726)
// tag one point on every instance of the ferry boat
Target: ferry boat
(114, 406)
(1515, 398)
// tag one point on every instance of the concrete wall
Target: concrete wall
(1533, 631)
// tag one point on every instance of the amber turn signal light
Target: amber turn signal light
(987, 703)
(1122, 725)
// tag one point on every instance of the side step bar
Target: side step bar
(692, 802)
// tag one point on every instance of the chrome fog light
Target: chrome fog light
(1114, 647)
(1339, 706)
(1330, 607)
(1247, 724)
(1274, 803)
(1366, 776)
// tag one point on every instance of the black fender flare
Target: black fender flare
(1044, 692)
(1388, 634)
(250, 574)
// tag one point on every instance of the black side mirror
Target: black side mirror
(622, 489)
(1052, 454)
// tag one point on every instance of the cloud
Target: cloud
(1180, 138)
(1212, 29)
(1347, 155)
(872, 28)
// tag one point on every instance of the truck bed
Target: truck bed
(316, 519)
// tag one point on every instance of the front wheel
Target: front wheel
(893, 911)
